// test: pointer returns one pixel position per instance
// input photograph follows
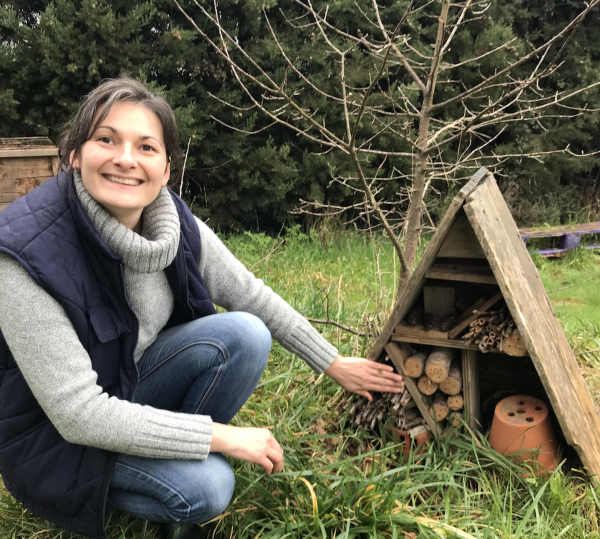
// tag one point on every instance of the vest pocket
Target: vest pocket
(105, 346)
(106, 323)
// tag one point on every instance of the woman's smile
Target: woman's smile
(123, 181)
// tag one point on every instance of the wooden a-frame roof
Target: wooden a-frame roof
(526, 298)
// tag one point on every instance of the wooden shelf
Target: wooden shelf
(410, 334)
(456, 272)
(415, 335)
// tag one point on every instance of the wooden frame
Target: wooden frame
(515, 274)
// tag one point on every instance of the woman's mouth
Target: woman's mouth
(124, 181)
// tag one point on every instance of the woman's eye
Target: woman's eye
(107, 140)
(147, 148)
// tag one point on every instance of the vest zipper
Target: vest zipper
(137, 380)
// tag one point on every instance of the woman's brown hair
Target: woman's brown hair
(102, 99)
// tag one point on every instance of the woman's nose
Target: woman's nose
(125, 157)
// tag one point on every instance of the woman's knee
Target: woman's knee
(212, 494)
(249, 338)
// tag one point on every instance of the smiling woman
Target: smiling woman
(117, 377)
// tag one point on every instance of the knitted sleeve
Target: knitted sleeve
(234, 288)
(59, 373)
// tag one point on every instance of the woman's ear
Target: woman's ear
(74, 160)
(167, 174)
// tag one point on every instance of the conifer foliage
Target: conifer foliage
(52, 52)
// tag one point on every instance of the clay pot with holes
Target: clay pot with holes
(522, 428)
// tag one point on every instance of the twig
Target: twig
(572, 285)
(184, 163)
(263, 259)
(588, 352)
(341, 326)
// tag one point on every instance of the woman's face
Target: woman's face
(124, 163)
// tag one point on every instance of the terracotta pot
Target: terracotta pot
(419, 443)
(522, 424)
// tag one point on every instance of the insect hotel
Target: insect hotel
(474, 325)
(25, 163)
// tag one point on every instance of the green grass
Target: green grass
(343, 483)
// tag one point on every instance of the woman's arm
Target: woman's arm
(58, 370)
(233, 287)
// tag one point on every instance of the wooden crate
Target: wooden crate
(25, 163)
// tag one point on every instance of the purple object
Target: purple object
(569, 237)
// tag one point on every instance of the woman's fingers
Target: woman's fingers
(249, 444)
(360, 376)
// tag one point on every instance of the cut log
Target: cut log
(426, 386)
(514, 345)
(399, 352)
(455, 419)
(438, 364)
(439, 410)
(456, 402)
(414, 365)
(453, 384)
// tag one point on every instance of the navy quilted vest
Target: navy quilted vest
(50, 234)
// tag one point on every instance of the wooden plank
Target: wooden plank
(7, 191)
(24, 142)
(471, 389)
(417, 280)
(466, 274)
(462, 325)
(461, 241)
(24, 185)
(557, 231)
(438, 300)
(50, 152)
(534, 316)
(411, 334)
(398, 353)
(55, 165)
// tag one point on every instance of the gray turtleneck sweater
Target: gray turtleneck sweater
(58, 368)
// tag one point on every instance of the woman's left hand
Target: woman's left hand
(361, 376)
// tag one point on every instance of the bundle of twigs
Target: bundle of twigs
(397, 407)
(490, 329)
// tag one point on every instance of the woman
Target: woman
(118, 377)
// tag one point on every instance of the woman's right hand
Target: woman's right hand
(249, 444)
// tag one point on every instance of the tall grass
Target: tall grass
(343, 483)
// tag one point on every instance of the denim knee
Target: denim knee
(172, 491)
(211, 497)
(254, 337)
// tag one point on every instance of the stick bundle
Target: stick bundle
(490, 330)
(398, 406)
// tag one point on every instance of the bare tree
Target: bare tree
(409, 112)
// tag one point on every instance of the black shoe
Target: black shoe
(182, 530)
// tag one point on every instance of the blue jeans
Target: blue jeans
(210, 366)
